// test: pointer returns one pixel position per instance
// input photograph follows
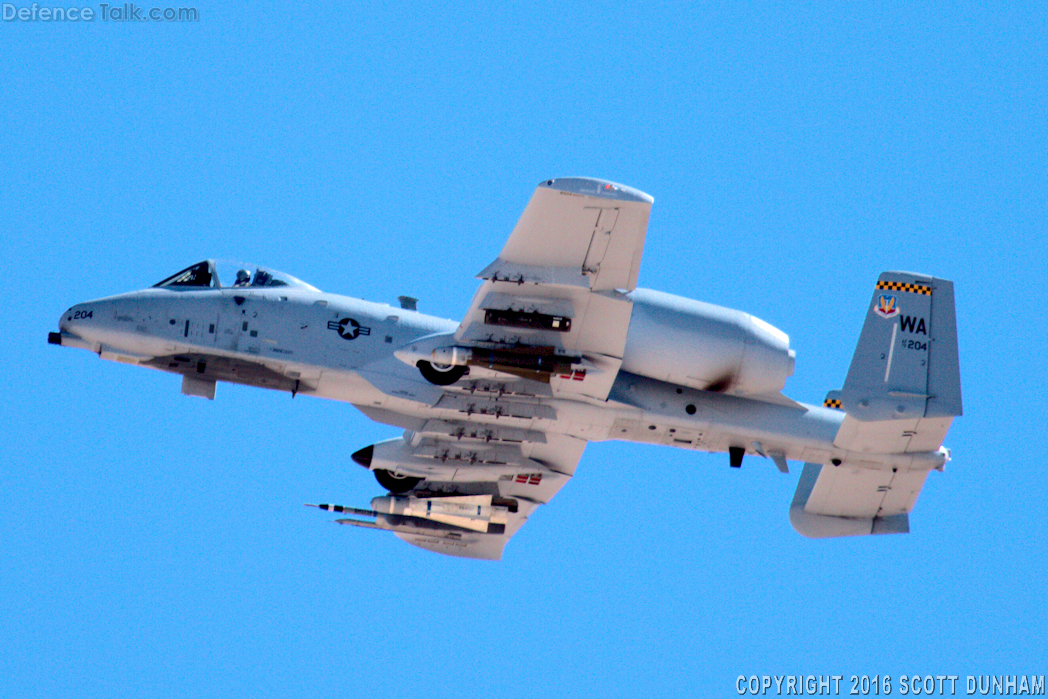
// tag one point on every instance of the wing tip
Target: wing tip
(593, 187)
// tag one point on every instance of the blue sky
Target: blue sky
(154, 544)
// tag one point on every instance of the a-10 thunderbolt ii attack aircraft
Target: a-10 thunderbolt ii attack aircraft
(559, 348)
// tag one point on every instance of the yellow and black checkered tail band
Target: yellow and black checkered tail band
(832, 403)
(902, 286)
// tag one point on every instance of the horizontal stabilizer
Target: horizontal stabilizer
(833, 501)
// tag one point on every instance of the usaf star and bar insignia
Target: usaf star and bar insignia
(348, 329)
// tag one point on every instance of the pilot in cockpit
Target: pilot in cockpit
(243, 278)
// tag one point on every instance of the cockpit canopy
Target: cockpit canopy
(220, 274)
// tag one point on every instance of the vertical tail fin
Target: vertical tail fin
(902, 392)
(904, 386)
(907, 352)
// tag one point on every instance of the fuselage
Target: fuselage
(559, 347)
(299, 339)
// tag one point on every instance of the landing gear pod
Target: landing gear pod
(394, 483)
(441, 374)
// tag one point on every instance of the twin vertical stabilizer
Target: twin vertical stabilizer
(906, 363)
(902, 392)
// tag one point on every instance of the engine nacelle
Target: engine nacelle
(703, 346)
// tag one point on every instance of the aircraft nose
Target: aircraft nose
(66, 319)
(74, 317)
(84, 320)
(91, 325)
(71, 326)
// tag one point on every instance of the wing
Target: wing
(472, 478)
(552, 306)
(578, 232)
(550, 319)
